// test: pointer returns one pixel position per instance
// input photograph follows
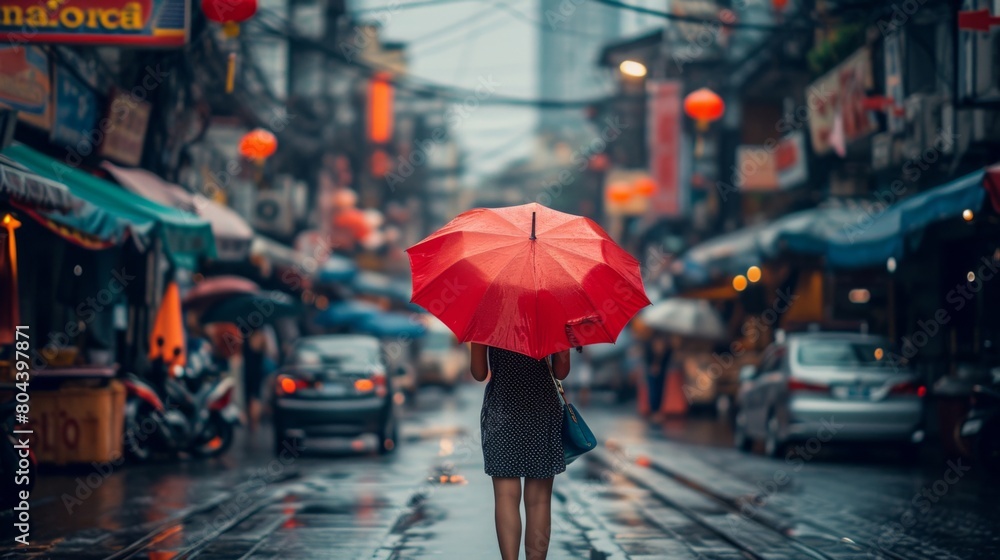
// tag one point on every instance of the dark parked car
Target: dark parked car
(335, 386)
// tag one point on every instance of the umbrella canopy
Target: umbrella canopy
(346, 312)
(686, 317)
(336, 269)
(215, 288)
(384, 325)
(526, 278)
(252, 310)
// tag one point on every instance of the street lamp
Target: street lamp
(632, 68)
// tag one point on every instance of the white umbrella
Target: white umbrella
(686, 317)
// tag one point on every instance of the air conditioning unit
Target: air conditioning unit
(273, 213)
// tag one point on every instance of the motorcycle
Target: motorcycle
(981, 427)
(199, 416)
(16, 469)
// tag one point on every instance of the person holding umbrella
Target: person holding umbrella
(524, 285)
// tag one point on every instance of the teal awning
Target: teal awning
(185, 236)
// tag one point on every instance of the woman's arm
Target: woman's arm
(560, 364)
(479, 365)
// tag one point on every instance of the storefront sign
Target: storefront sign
(772, 166)
(76, 113)
(664, 143)
(124, 129)
(149, 23)
(839, 96)
(25, 84)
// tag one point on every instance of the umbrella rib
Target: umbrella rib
(472, 315)
(587, 295)
(598, 261)
(491, 249)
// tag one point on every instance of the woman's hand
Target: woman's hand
(560, 364)
(479, 364)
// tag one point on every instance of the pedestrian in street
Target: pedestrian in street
(658, 355)
(521, 427)
(253, 376)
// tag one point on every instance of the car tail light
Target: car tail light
(364, 385)
(908, 388)
(378, 381)
(799, 386)
(288, 385)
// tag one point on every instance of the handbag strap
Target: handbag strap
(559, 389)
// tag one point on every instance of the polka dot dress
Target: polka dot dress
(521, 419)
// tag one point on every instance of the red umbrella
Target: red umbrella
(212, 289)
(526, 278)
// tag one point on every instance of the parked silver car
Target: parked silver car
(841, 387)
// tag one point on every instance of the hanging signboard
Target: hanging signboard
(664, 144)
(773, 166)
(147, 23)
(25, 84)
(836, 103)
(76, 112)
(126, 129)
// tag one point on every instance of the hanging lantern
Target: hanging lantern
(704, 106)
(645, 186)
(619, 192)
(230, 13)
(258, 145)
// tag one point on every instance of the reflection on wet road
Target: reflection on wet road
(673, 490)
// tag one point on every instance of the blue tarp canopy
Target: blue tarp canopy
(336, 269)
(373, 283)
(385, 325)
(846, 237)
(346, 312)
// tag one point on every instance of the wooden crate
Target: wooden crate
(78, 424)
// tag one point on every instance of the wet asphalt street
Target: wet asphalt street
(675, 491)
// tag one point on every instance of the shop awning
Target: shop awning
(721, 257)
(232, 233)
(185, 236)
(888, 235)
(32, 190)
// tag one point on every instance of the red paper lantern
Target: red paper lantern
(704, 106)
(645, 186)
(230, 13)
(258, 145)
(619, 192)
(354, 221)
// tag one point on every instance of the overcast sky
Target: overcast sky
(461, 43)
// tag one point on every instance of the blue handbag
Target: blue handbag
(576, 435)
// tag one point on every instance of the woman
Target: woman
(521, 426)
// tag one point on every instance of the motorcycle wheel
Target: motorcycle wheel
(217, 438)
(139, 445)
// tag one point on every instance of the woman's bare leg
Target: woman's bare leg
(507, 515)
(538, 510)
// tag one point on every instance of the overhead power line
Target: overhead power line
(407, 6)
(416, 85)
(705, 20)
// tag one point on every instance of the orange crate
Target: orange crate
(78, 424)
